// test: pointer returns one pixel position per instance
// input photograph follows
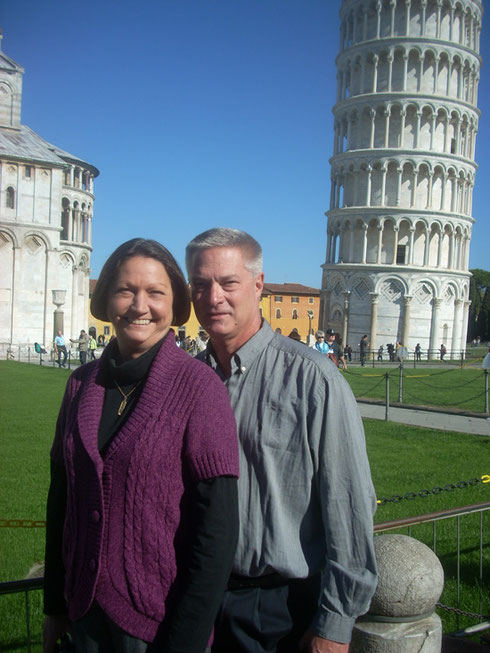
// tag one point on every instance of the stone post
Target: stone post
(402, 618)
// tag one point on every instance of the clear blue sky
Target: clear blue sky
(201, 113)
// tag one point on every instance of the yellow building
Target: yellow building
(285, 306)
(289, 306)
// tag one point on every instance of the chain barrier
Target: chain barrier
(463, 613)
(452, 403)
(22, 523)
(450, 487)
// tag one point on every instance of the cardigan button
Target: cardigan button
(92, 565)
(95, 516)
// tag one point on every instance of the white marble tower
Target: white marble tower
(403, 170)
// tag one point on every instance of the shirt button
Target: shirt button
(92, 565)
(95, 516)
(243, 369)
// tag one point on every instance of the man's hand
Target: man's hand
(311, 643)
(54, 627)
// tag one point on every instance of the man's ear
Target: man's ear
(259, 284)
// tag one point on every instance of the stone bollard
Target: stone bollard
(401, 618)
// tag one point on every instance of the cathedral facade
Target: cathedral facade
(46, 209)
(403, 169)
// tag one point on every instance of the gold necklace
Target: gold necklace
(124, 402)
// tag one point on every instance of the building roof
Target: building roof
(289, 289)
(25, 145)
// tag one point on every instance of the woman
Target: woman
(142, 508)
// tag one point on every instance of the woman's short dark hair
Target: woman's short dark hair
(181, 307)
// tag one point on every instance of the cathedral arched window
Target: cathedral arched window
(295, 314)
(10, 198)
(278, 313)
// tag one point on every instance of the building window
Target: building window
(278, 298)
(278, 313)
(295, 314)
(10, 198)
(28, 172)
(400, 254)
(67, 178)
(107, 330)
(311, 300)
(294, 300)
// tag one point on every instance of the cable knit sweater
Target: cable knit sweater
(125, 522)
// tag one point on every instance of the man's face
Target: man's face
(330, 338)
(225, 295)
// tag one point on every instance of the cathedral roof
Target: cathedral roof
(6, 63)
(25, 145)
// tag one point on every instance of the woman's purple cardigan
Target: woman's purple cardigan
(124, 518)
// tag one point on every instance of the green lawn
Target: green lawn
(403, 459)
(443, 387)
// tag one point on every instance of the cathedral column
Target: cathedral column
(421, 73)
(443, 191)
(446, 133)
(395, 246)
(69, 225)
(406, 320)
(457, 324)
(378, 19)
(345, 322)
(450, 263)
(329, 246)
(340, 253)
(451, 23)
(380, 243)
(436, 72)
(374, 319)
(364, 24)
(414, 188)
(434, 330)
(364, 242)
(429, 190)
(432, 129)
(363, 76)
(453, 194)
(354, 29)
(332, 193)
(89, 230)
(392, 26)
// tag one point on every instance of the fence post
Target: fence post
(400, 385)
(28, 354)
(486, 390)
(462, 359)
(373, 358)
(402, 614)
(387, 406)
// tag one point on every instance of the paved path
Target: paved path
(428, 419)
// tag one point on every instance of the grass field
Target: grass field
(450, 387)
(403, 459)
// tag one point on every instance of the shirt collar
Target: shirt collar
(244, 357)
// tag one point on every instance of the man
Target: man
(304, 567)
(82, 341)
(60, 348)
(335, 351)
(363, 347)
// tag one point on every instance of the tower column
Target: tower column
(411, 243)
(407, 17)
(351, 243)
(345, 323)
(464, 325)
(368, 198)
(406, 320)
(399, 172)
(380, 243)
(395, 246)
(434, 331)
(457, 325)
(374, 319)
(364, 241)
(439, 249)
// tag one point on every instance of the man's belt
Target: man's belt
(267, 582)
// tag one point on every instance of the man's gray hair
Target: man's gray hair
(225, 237)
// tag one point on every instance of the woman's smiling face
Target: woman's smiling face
(140, 305)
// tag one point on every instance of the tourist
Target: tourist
(142, 508)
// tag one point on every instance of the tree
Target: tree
(479, 317)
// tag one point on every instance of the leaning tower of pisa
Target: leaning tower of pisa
(403, 169)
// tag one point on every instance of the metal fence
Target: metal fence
(457, 572)
(464, 558)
